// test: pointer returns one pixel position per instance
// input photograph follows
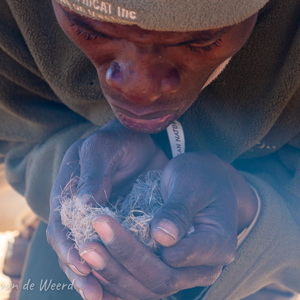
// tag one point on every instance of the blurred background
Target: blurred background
(17, 226)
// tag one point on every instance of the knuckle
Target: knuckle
(228, 258)
(208, 277)
(87, 185)
(213, 276)
(165, 286)
(172, 259)
(123, 255)
(85, 150)
(100, 137)
(224, 244)
(73, 148)
(178, 213)
(210, 280)
(91, 143)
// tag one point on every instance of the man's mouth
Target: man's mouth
(142, 115)
(144, 119)
(146, 125)
(145, 122)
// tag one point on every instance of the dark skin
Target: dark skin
(150, 78)
(148, 74)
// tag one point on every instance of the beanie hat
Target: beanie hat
(168, 15)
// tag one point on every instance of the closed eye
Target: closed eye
(200, 48)
(89, 35)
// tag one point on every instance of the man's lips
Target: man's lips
(145, 125)
(142, 116)
(144, 119)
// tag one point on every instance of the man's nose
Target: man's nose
(143, 81)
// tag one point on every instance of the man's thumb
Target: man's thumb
(171, 222)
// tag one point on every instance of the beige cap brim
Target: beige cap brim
(168, 15)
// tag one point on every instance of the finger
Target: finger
(206, 246)
(188, 188)
(68, 173)
(113, 277)
(56, 232)
(65, 249)
(95, 169)
(114, 157)
(88, 287)
(136, 258)
(197, 276)
(107, 296)
(181, 201)
(101, 165)
(213, 241)
(99, 155)
(144, 265)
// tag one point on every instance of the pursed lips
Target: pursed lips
(142, 116)
(146, 126)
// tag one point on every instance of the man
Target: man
(151, 74)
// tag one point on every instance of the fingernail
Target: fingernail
(169, 228)
(81, 294)
(104, 230)
(93, 258)
(165, 233)
(75, 270)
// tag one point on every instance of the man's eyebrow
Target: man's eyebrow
(82, 22)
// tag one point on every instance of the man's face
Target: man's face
(150, 78)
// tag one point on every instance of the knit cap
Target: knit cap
(168, 15)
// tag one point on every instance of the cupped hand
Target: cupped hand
(199, 189)
(107, 162)
(129, 270)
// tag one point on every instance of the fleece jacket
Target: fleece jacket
(249, 116)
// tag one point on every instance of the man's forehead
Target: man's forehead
(122, 31)
(168, 15)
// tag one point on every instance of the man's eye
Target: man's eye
(202, 49)
(88, 35)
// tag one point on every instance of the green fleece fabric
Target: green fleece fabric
(168, 15)
(50, 97)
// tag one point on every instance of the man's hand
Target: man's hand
(198, 189)
(129, 270)
(105, 163)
